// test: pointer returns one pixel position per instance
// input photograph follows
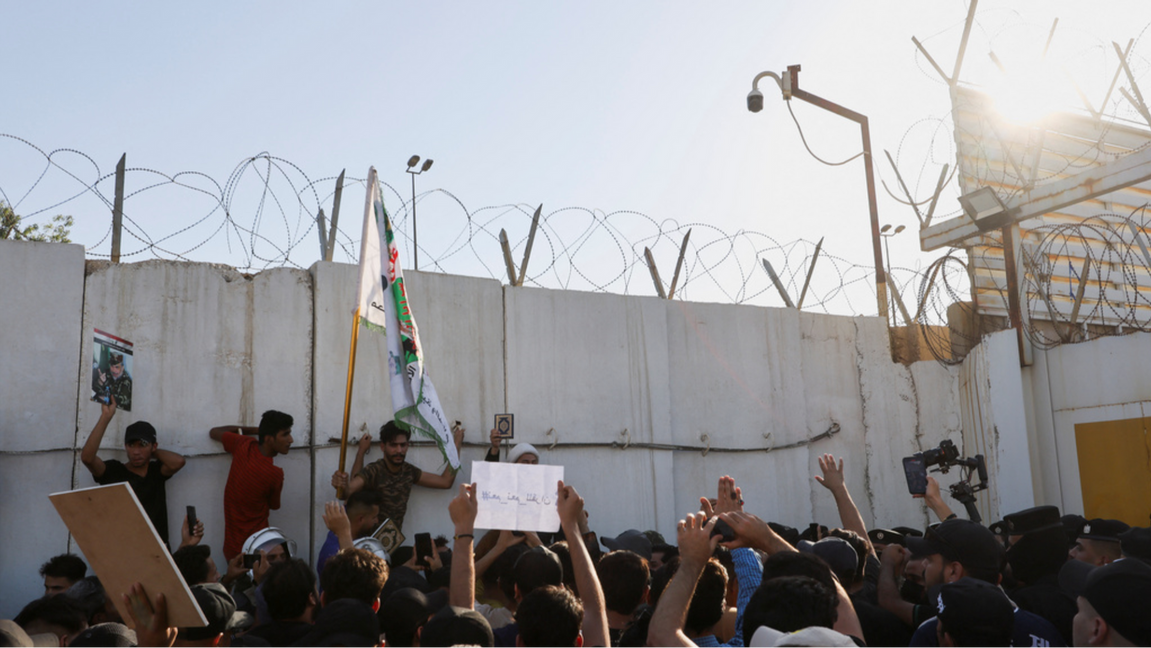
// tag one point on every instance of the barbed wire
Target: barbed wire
(263, 214)
(1070, 292)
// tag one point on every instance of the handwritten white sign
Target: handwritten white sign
(518, 497)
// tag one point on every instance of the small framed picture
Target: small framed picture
(389, 535)
(505, 426)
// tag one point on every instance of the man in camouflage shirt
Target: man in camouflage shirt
(393, 476)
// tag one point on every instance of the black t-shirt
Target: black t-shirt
(149, 490)
(1045, 599)
(880, 626)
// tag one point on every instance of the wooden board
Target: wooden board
(123, 548)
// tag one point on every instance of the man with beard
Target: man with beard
(393, 476)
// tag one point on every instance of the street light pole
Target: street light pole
(789, 84)
(412, 162)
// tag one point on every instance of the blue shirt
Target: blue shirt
(749, 573)
(330, 548)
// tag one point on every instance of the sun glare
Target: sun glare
(1026, 91)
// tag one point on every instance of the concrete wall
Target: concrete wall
(647, 402)
(1023, 418)
(1102, 380)
(42, 297)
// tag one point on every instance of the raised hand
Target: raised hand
(149, 618)
(108, 410)
(729, 497)
(569, 505)
(507, 539)
(832, 478)
(364, 445)
(462, 509)
(932, 493)
(750, 531)
(261, 567)
(895, 556)
(190, 537)
(435, 561)
(235, 570)
(335, 518)
(693, 536)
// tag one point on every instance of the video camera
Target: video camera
(946, 456)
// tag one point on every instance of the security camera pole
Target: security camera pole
(789, 84)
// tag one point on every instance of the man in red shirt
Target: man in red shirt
(254, 481)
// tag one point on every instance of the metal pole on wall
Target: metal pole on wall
(412, 162)
(789, 84)
(872, 206)
(118, 209)
(335, 217)
(415, 232)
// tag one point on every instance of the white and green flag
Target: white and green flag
(383, 304)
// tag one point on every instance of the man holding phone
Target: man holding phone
(393, 476)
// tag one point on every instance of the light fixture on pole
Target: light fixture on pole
(985, 209)
(789, 85)
(412, 162)
(886, 234)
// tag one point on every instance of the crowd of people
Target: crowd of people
(728, 578)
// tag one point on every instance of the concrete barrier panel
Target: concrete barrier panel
(33, 531)
(776, 485)
(831, 379)
(890, 417)
(576, 362)
(618, 487)
(212, 347)
(720, 382)
(43, 294)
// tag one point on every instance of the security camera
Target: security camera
(755, 101)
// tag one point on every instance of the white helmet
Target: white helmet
(266, 540)
(374, 546)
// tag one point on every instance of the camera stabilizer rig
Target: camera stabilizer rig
(946, 456)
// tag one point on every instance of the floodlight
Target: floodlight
(413, 161)
(985, 209)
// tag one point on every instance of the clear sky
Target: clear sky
(615, 106)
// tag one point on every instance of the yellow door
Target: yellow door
(1115, 469)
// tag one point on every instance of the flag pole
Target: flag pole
(369, 241)
(348, 396)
